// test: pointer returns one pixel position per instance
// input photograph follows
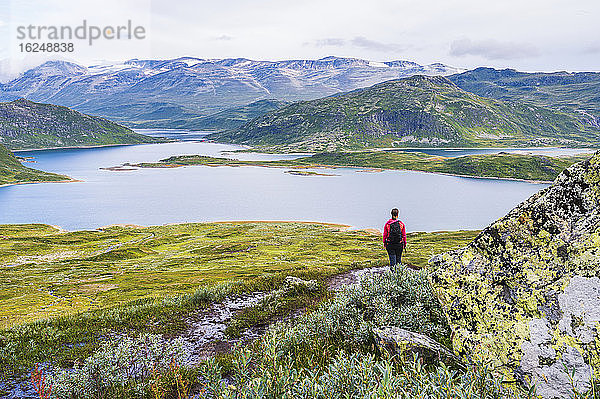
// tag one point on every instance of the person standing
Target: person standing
(394, 239)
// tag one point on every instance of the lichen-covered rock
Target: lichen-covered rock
(399, 341)
(292, 283)
(525, 294)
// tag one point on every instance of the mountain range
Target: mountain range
(28, 125)
(243, 99)
(415, 111)
(158, 93)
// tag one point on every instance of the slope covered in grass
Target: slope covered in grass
(54, 273)
(78, 287)
(568, 91)
(28, 125)
(230, 118)
(13, 172)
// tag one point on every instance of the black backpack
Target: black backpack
(395, 235)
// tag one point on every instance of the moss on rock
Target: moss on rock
(525, 294)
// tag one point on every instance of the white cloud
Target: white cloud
(224, 38)
(593, 48)
(492, 49)
(328, 42)
(359, 42)
(363, 42)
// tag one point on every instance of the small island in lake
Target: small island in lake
(537, 168)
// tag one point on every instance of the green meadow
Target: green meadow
(48, 272)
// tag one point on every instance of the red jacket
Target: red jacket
(386, 230)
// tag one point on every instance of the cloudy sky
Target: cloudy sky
(530, 35)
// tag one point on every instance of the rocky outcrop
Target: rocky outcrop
(291, 283)
(525, 294)
(402, 342)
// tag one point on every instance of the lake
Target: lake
(427, 202)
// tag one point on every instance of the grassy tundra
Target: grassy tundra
(62, 293)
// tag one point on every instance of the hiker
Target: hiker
(394, 239)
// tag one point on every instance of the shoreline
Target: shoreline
(481, 177)
(70, 180)
(248, 148)
(340, 226)
(487, 148)
(375, 170)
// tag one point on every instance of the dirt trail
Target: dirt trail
(119, 245)
(206, 328)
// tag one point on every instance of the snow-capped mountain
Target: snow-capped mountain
(154, 92)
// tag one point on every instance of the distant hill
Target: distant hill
(12, 171)
(230, 118)
(415, 111)
(579, 91)
(25, 125)
(151, 92)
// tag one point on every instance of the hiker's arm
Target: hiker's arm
(404, 234)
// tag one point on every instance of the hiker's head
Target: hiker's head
(395, 213)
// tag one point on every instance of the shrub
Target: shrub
(355, 376)
(121, 367)
(403, 299)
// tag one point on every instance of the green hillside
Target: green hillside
(27, 125)
(416, 111)
(12, 172)
(572, 92)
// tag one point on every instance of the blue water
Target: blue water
(427, 202)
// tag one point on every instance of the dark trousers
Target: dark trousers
(395, 254)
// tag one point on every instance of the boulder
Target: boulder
(296, 283)
(525, 294)
(402, 342)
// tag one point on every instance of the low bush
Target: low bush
(126, 367)
(403, 299)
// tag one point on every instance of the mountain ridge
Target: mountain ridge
(230, 118)
(566, 91)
